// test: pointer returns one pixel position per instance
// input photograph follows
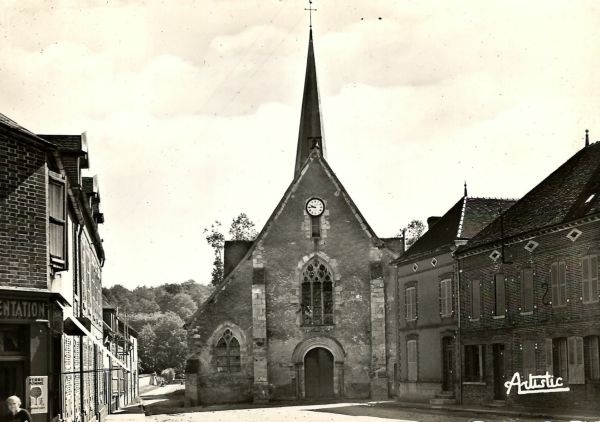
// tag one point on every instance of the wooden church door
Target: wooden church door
(318, 373)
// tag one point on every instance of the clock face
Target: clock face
(315, 207)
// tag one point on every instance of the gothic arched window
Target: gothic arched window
(317, 294)
(227, 353)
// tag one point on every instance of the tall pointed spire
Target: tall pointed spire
(310, 133)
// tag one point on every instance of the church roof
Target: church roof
(310, 132)
(467, 217)
(569, 193)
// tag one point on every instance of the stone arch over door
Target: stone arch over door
(336, 350)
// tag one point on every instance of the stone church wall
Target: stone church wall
(230, 309)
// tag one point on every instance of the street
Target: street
(164, 405)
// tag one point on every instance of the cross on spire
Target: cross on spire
(310, 10)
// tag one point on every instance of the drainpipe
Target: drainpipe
(458, 332)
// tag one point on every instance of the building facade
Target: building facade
(530, 296)
(301, 313)
(50, 276)
(428, 301)
(122, 383)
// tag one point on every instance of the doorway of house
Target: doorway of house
(498, 360)
(12, 381)
(318, 373)
(448, 364)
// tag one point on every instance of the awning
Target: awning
(97, 342)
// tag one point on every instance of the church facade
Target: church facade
(305, 311)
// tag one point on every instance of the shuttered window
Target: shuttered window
(528, 358)
(527, 290)
(57, 217)
(592, 358)
(446, 298)
(475, 299)
(411, 303)
(559, 358)
(558, 280)
(589, 281)
(576, 366)
(500, 295)
(412, 359)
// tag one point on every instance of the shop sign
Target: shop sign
(37, 394)
(23, 309)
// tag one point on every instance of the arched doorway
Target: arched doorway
(318, 373)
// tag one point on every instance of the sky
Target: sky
(192, 108)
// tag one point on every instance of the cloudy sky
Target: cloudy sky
(192, 107)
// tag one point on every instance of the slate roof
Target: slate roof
(569, 193)
(467, 217)
(11, 124)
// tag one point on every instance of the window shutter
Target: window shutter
(576, 367)
(554, 283)
(500, 295)
(594, 283)
(585, 279)
(475, 299)
(57, 206)
(412, 359)
(548, 350)
(441, 297)
(528, 358)
(562, 282)
(527, 290)
(448, 297)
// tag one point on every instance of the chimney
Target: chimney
(431, 222)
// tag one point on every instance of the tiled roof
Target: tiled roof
(462, 221)
(11, 124)
(572, 191)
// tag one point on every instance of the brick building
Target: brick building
(122, 386)
(301, 312)
(427, 301)
(529, 292)
(51, 257)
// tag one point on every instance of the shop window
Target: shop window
(13, 340)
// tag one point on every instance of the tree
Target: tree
(171, 343)
(412, 232)
(242, 228)
(146, 348)
(216, 240)
(181, 304)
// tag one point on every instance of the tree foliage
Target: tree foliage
(242, 228)
(412, 232)
(158, 315)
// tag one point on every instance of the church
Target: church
(304, 311)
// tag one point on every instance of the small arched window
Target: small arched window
(227, 353)
(317, 294)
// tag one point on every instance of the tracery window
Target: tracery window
(317, 294)
(227, 353)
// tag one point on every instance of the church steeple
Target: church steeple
(310, 133)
